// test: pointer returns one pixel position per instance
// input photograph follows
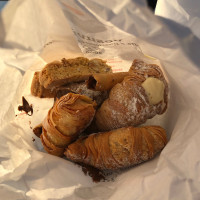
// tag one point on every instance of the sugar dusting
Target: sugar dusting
(81, 88)
(128, 101)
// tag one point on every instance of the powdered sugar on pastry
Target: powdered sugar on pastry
(130, 103)
(81, 88)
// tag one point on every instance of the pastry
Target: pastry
(81, 88)
(69, 116)
(140, 96)
(56, 74)
(105, 82)
(38, 90)
(120, 148)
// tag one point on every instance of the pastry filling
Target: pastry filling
(154, 89)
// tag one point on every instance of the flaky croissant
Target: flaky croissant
(119, 148)
(137, 98)
(69, 116)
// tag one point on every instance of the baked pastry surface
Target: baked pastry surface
(38, 90)
(69, 116)
(81, 88)
(105, 82)
(119, 148)
(140, 96)
(58, 73)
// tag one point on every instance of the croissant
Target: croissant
(119, 148)
(140, 96)
(69, 116)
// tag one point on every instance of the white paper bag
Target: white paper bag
(184, 12)
(119, 32)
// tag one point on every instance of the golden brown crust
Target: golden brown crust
(119, 148)
(128, 103)
(50, 147)
(38, 90)
(80, 88)
(58, 73)
(105, 82)
(72, 112)
(69, 116)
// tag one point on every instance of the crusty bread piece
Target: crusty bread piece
(80, 88)
(58, 73)
(38, 90)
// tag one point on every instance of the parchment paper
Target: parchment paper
(35, 32)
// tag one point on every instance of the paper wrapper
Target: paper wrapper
(35, 32)
(181, 11)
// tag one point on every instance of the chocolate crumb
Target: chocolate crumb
(26, 107)
(38, 130)
(33, 139)
(96, 174)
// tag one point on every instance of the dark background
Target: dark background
(2, 4)
(151, 4)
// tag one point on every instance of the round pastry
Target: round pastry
(69, 116)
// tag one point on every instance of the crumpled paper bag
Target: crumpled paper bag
(181, 11)
(118, 32)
